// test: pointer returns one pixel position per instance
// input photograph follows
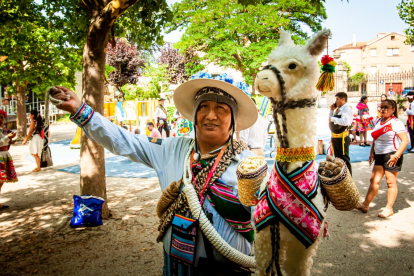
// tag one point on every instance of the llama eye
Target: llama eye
(292, 66)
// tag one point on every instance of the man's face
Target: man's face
(339, 102)
(150, 127)
(213, 122)
(162, 102)
(410, 99)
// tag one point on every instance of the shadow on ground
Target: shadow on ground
(364, 244)
(35, 237)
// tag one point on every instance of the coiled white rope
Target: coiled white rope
(55, 101)
(211, 233)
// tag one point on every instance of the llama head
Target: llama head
(297, 65)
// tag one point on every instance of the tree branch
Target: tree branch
(239, 62)
(102, 24)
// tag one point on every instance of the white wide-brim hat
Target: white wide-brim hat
(184, 100)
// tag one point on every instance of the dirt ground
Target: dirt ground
(35, 237)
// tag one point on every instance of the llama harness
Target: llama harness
(287, 199)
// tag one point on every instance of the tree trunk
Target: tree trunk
(92, 163)
(21, 109)
(254, 81)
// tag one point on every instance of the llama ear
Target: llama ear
(317, 43)
(285, 39)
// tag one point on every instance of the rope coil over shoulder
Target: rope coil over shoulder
(208, 229)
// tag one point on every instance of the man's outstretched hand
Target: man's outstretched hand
(70, 104)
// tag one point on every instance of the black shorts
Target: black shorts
(382, 159)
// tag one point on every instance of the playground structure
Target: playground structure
(264, 107)
(141, 111)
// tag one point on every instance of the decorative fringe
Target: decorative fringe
(295, 154)
(326, 81)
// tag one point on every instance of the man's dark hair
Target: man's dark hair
(150, 124)
(342, 95)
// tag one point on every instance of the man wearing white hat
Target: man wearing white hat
(161, 116)
(410, 120)
(204, 228)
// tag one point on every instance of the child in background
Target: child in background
(7, 171)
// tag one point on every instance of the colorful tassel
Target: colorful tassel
(326, 81)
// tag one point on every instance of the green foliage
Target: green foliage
(400, 101)
(37, 54)
(316, 3)
(406, 12)
(170, 111)
(64, 119)
(141, 23)
(108, 69)
(133, 91)
(241, 37)
(159, 80)
(348, 68)
(155, 76)
(357, 79)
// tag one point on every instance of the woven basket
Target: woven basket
(341, 189)
(250, 183)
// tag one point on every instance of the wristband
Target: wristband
(83, 116)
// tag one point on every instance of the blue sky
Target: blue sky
(365, 18)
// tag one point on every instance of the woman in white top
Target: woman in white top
(390, 140)
(36, 144)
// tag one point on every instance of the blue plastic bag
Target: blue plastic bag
(87, 211)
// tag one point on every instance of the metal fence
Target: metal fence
(11, 109)
(374, 84)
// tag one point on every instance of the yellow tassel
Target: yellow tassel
(326, 81)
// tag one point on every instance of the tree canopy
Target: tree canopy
(140, 21)
(406, 12)
(238, 36)
(37, 55)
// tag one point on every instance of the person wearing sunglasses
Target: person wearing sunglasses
(390, 141)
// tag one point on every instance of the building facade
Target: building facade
(385, 61)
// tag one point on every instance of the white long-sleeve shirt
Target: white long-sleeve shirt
(410, 110)
(176, 114)
(346, 116)
(256, 135)
(159, 113)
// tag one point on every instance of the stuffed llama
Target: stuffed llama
(289, 82)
